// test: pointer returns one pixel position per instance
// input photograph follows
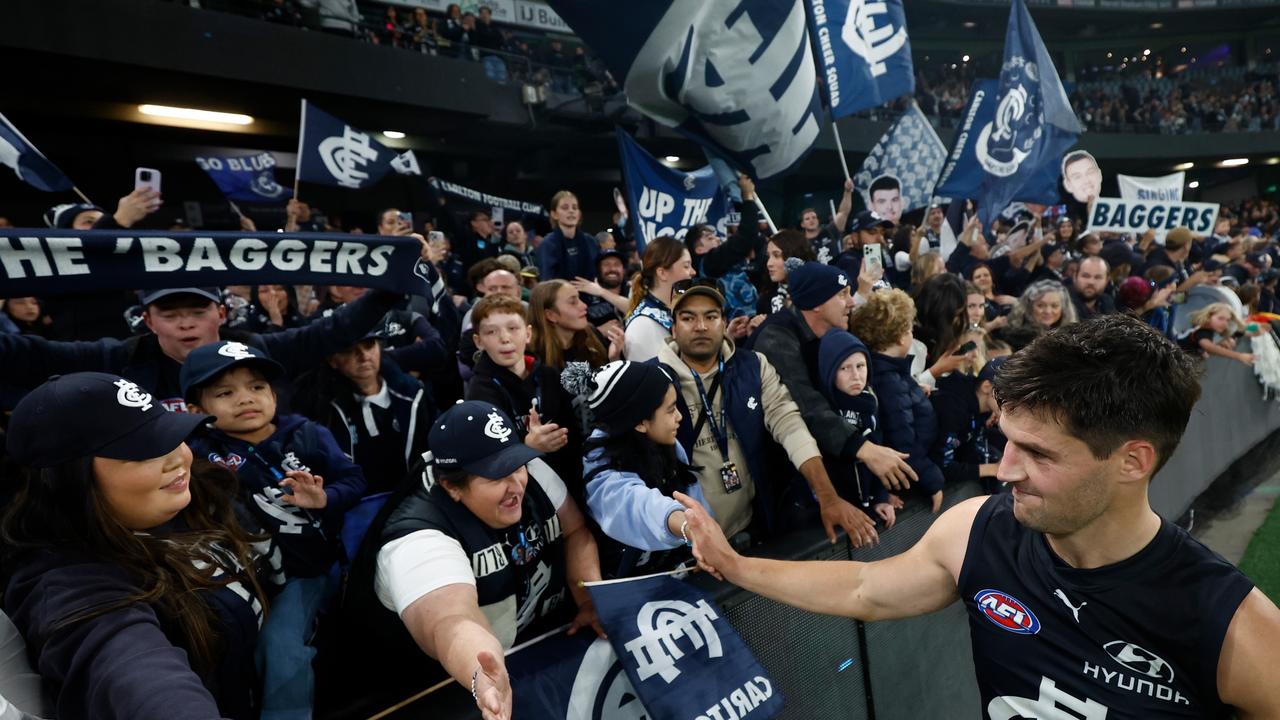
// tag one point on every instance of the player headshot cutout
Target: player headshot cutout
(886, 198)
(1078, 594)
(1081, 176)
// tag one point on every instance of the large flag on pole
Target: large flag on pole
(864, 51)
(963, 175)
(28, 163)
(1033, 124)
(906, 162)
(738, 78)
(682, 657)
(666, 201)
(331, 152)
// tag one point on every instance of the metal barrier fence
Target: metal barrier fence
(923, 667)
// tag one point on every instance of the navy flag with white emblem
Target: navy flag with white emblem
(30, 165)
(331, 152)
(738, 78)
(682, 656)
(666, 201)
(864, 52)
(570, 677)
(1033, 123)
(249, 178)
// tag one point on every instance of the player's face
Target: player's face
(1083, 180)
(887, 204)
(1058, 486)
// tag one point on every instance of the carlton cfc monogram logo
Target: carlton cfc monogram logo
(130, 395)
(237, 351)
(661, 623)
(497, 429)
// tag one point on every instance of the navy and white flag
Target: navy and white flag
(331, 152)
(898, 175)
(738, 78)
(666, 201)
(51, 262)
(27, 162)
(963, 175)
(865, 54)
(683, 657)
(1033, 123)
(249, 178)
(570, 677)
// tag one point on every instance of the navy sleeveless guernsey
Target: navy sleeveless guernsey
(1137, 639)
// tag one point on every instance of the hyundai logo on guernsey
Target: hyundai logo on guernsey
(1007, 612)
(1140, 660)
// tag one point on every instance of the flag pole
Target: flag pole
(302, 134)
(759, 205)
(83, 197)
(835, 130)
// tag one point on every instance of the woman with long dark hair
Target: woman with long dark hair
(780, 248)
(666, 263)
(124, 565)
(632, 466)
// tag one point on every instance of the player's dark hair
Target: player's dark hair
(1108, 380)
(884, 182)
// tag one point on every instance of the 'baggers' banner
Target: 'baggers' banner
(664, 201)
(683, 658)
(1115, 215)
(48, 262)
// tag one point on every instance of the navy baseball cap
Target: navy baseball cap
(211, 293)
(866, 219)
(992, 367)
(208, 361)
(479, 439)
(93, 414)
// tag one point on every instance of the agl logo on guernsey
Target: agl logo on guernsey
(1007, 612)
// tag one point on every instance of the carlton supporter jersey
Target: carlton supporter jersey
(1137, 639)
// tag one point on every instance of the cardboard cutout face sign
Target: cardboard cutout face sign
(886, 198)
(1081, 176)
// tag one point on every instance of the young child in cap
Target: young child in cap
(296, 482)
(906, 418)
(633, 464)
(844, 363)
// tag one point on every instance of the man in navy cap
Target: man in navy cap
(868, 229)
(821, 298)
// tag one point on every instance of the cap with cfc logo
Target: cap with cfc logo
(479, 439)
(209, 361)
(94, 415)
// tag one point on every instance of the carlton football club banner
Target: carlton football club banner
(570, 677)
(908, 158)
(62, 261)
(28, 163)
(962, 175)
(250, 178)
(331, 152)
(865, 55)
(497, 206)
(666, 201)
(683, 658)
(1033, 123)
(1116, 215)
(738, 78)
(1163, 189)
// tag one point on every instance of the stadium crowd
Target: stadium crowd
(822, 376)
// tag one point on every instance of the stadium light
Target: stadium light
(181, 113)
(393, 134)
(1157, 25)
(1184, 166)
(672, 158)
(1193, 184)
(964, 58)
(1235, 162)
(970, 24)
(1273, 161)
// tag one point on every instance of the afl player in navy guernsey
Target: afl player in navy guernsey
(1082, 601)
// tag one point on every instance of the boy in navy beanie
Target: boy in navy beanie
(844, 364)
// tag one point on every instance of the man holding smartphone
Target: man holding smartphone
(868, 236)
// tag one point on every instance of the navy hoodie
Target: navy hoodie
(906, 417)
(962, 443)
(858, 412)
(308, 539)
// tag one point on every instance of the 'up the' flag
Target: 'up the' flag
(1033, 124)
(248, 178)
(907, 159)
(331, 152)
(737, 77)
(683, 657)
(865, 55)
(30, 165)
(665, 201)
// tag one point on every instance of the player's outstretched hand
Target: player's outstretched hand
(710, 547)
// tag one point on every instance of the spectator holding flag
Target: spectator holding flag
(567, 252)
(825, 240)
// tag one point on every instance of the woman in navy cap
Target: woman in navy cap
(125, 570)
(480, 551)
